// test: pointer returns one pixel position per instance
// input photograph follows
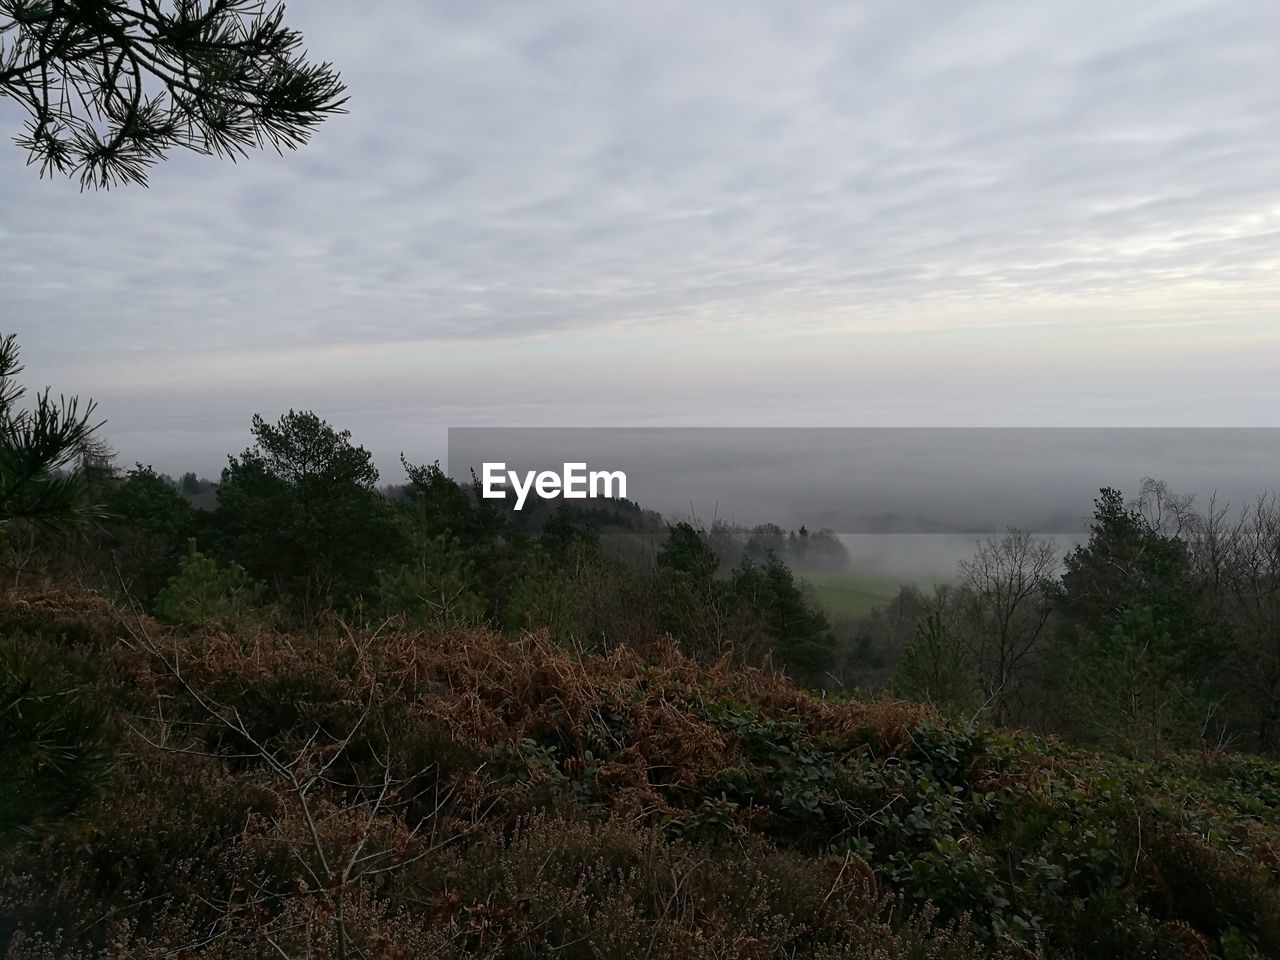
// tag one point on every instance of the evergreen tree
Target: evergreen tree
(1128, 563)
(1130, 690)
(441, 507)
(1136, 620)
(798, 633)
(936, 669)
(438, 588)
(149, 523)
(204, 592)
(44, 475)
(562, 538)
(300, 511)
(52, 752)
(543, 598)
(446, 508)
(692, 608)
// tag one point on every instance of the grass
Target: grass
(851, 593)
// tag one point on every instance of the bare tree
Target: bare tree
(1006, 586)
(1166, 512)
(1238, 560)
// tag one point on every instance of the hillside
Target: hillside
(383, 793)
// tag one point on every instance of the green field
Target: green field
(846, 594)
(851, 593)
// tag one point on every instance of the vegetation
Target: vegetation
(52, 757)
(364, 792)
(43, 453)
(848, 594)
(936, 668)
(291, 714)
(299, 509)
(110, 87)
(202, 592)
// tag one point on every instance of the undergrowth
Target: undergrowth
(513, 799)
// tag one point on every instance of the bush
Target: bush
(438, 589)
(203, 592)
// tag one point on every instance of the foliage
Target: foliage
(438, 588)
(110, 87)
(52, 753)
(692, 608)
(759, 608)
(618, 805)
(936, 667)
(1144, 642)
(149, 523)
(1131, 692)
(202, 592)
(562, 538)
(299, 510)
(655, 795)
(543, 598)
(801, 548)
(150, 501)
(43, 481)
(1129, 564)
(440, 507)
(798, 633)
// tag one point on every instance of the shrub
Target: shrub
(52, 752)
(439, 588)
(202, 592)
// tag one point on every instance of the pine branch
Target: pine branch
(110, 87)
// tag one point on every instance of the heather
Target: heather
(392, 792)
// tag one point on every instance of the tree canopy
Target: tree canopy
(110, 86)
(300, 510)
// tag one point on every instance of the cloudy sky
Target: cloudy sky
(722, 213)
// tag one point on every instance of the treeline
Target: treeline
(1161, 631)
(297, 530)
(799, 549)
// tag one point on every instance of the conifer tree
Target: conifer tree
(936, 668)
(43, 453)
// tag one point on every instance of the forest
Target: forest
(296, 712)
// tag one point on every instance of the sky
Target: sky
(716, 214)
